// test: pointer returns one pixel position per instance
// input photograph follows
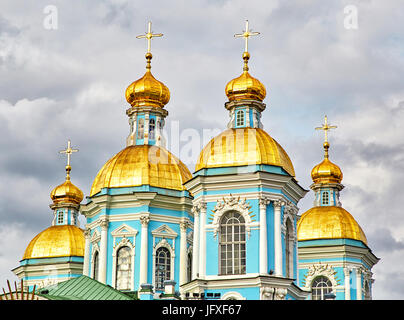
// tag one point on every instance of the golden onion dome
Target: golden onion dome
(66, 192)
(57, 241)
(328, 222)
(142, 165)
(244, 146)
(147, 91)
(245, 86)
(326, 171)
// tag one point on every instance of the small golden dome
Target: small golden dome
(142, 165)
(244, 146)
(57, 241)
(147, 91)
(66, 192)
(245, 86)
(328, 222)
(326, 171)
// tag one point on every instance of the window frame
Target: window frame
(233, 245)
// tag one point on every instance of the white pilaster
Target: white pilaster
(358, 283)
(183, 252)
(347, 272)
(86, 262)
(202, 241)
(195, 255)
(144, 220)
(263, 236)
(278, 237)
(102, 276)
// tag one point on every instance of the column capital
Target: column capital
(104, 223)
(184, 226)
(144, 219)
(347, 271)
(278, 203)
(263, 201)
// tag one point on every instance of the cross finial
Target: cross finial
(68, 152)
(325, 127)
(149, 35)
(246, 34)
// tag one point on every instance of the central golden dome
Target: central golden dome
(57, 241)
(142, 165)
(147, 91)
(328, 222)
(244, 146)
(245, 86)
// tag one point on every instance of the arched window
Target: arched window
(140, 129)
(163, 267)
(289, 245)
(152, 129)
(326, 199)
(189, 267)
(320, 286)
(95, 265)
(232, 244)
(240, 118)
(123, 268)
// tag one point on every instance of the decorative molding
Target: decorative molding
(320, 269)
(280, 293)
(232, 204)
(96, 237)
(267, 293)
(164, 231)
(232, 295)
(123, 231)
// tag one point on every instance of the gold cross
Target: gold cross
(149, 35)
(325, 127)
(246, 34)
(68, 151)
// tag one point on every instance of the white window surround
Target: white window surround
(163, 243)
(123, 243)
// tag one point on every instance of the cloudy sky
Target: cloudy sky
(69, 83)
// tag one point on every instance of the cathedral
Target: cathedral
(229, 230)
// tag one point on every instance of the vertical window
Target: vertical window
(60, 217)
(232, 244)
(289, 245)
(123, 268)
(240, 118)
(152, 127)
(326, 198)
(189, 267)
(95, 265)
(140, 128)
(320, 286)
(163, 267)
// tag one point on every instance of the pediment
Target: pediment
(164, 231)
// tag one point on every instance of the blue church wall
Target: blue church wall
(251, 293)
(270, 238)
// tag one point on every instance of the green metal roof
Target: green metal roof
(82, 288)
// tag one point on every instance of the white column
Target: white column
(347, 272)
(202, 242)
(263, 236)
(183, 253)
(144, 220)
(278, 237)
(358, 283)
(195, 250)
(86, 262)
(102, 276)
